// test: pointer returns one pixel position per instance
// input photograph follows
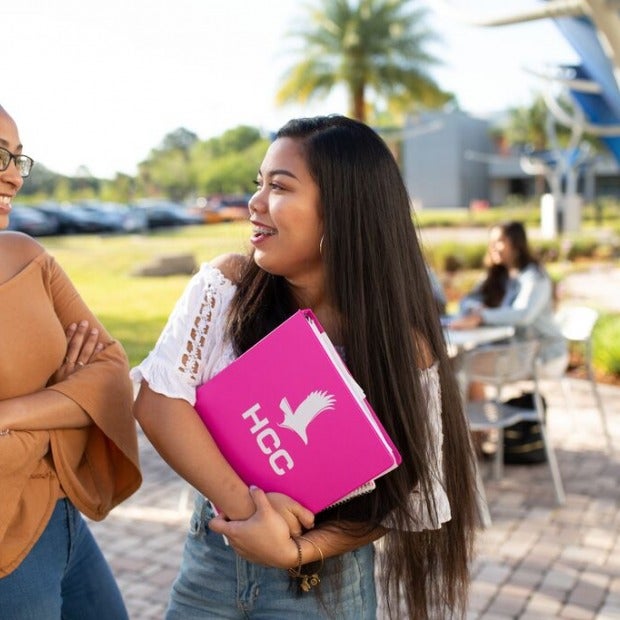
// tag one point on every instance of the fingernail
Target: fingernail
(94, 331)
(72, 326)
(83, 323)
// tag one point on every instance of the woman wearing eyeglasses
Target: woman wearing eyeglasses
(67, 436)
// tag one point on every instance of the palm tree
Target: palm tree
(370, 46)
(527, 125)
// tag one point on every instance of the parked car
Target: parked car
(234, 208)
(133, 220)
(163, 214)
(72, 218)
(223, 208)
(117, 217)
(32, 222)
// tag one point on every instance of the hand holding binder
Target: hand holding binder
(289, 417)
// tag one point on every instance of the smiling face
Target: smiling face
(286, 216)
(501, 249)
(10, 179)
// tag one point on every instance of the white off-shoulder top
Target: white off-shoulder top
(193, 347)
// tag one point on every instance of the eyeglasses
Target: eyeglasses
(23, 162)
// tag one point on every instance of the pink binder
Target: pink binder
(289, 417)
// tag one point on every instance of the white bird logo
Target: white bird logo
(298, 421)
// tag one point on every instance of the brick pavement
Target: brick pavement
(541, 561)
(536, 561)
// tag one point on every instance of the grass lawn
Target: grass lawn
(135, 309)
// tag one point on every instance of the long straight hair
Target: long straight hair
(515, 232)
(376, 279)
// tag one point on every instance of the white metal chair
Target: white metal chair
(499, 366)
(577, 324)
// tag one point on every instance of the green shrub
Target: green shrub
(453, 256)
(606, 344)
(547, 250)
(582, 247)
(603, 210)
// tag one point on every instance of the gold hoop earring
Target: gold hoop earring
(321, 245)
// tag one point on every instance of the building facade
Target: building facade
(449, 159)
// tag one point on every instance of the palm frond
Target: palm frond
(370, 46)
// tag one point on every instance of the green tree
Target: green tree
(237, 139)
(234, 172)
(168, 173)
(167, 169)
(184, 165)
(375, 48)
(120, 189)
(180, 139)
(62, 190)
(526, 126)
(42, 180)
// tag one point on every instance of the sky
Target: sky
(100, 83)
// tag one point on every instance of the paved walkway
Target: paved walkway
(536, 561)
(598, 287)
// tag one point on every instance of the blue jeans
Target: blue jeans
(64, 576)
(214, 582)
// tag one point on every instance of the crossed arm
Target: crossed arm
(49, 409)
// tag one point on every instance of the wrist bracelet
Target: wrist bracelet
(306, 580)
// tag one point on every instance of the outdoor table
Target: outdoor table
(459, 340)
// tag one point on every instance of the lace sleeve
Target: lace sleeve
(431, 520)
(192, 342)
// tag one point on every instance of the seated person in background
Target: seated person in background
(516, 291)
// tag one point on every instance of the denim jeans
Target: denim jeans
(214, 582)
(64, 576)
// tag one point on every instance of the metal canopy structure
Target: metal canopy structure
(601, 109)
(592, 28)
(592, 89)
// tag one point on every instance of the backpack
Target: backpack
(523, 443)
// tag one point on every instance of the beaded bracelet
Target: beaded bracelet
(306, 581)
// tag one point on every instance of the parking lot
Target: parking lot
(94, 216)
